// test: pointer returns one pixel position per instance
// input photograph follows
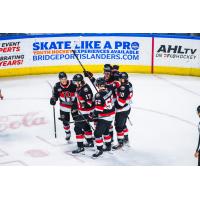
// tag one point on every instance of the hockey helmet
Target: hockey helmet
(123, 75)
(100, 81)
(78, 77)
(62, 75)
(107, 68)
(115, 67)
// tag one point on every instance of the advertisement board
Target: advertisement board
(150, 53)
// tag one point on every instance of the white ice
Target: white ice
(164, 118)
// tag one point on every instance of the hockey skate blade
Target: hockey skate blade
(78, 154)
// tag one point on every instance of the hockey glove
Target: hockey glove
(88, 74)
(91, 117)
(53, 101)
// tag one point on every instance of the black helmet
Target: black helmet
(100, 81)
(198, 109)
(62, 75)
(115, 67)
(107, 68)
(123, 75)
(78, 77)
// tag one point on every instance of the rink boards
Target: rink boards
(139, 53)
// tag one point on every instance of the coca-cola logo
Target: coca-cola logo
(23, 120)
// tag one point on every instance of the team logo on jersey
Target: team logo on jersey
(122, 88)
(85, 89)
(59, 89)
(97, 95)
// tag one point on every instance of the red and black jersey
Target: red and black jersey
(104, 105)
(124, 96)
(66, 94)
(84, 99)
(111, 85)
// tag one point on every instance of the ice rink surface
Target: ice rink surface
(164, 118)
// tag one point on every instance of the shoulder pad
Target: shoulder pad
(97, 95)
(86, 89)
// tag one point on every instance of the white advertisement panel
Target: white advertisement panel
(54, 51)
(177, 52)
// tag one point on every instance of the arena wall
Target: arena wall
(136, 53)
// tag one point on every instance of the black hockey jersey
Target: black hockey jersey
(124, 96)
(111, 85)
(66, 95)
(84, 99)
(104, 105)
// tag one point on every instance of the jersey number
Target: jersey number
(109, 104)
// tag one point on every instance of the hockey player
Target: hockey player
(65, 92)
(82, 107)
(123, 108)
(104, 112)
(197, 153)
(1, 96)
(110, 76)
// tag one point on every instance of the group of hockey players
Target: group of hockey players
(111, 103)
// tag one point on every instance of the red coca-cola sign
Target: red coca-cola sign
(22, 120)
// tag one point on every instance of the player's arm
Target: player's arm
(55, 96)
(90, 76)
(86, 97)
(99, 104)
(123, 95)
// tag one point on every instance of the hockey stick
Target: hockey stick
(130, 121)
(54, 114)
(84, 70)
(85, 120)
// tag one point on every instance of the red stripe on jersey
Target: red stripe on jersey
(121, 100)
(107, 137)
(79, 137)
(125, 130)
(64, 105)
(66, 127)
(99, 141)
(107, 114)
(100, 107)
(120, 133)
(88, 132)
(86, 109)
(80, 97)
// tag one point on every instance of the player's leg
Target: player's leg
(126, 138)
(107, 138)
(79, 137)
(87, 132)
(65, 116)
(101, 128)
(120, 122)
(111, 132)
